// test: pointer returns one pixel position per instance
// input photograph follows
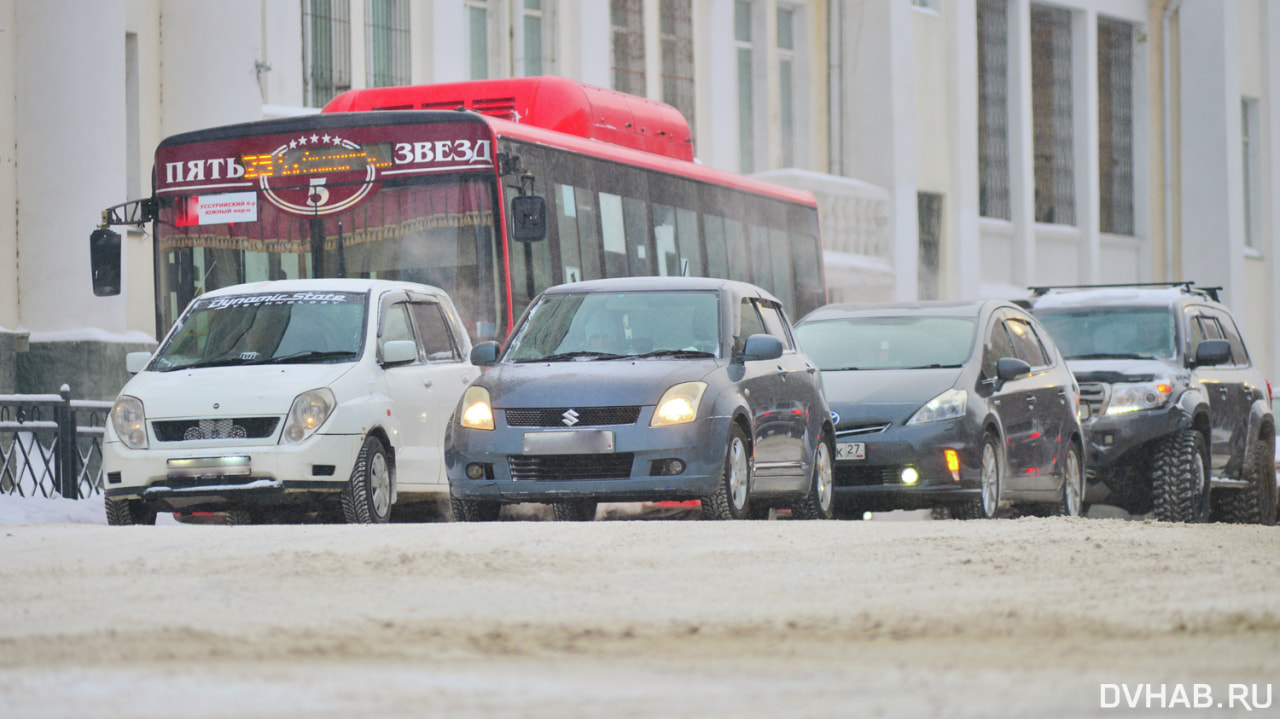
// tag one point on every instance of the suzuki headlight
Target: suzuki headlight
(477, 411)
(948, 405)
(1135, 396)
(130, 422)
(679, 404)
(309, 411)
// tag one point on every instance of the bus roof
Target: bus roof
(555, 103)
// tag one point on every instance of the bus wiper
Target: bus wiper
(306, 357)
(565, 356)
(677, 353)
(1110, 355)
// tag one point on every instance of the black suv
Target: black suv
(1178, 419)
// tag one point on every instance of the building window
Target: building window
(1251, 145)
(326, 49)
(478, 34)
(1051, 110)
(387, 42)
(929, 210)
(677, 56)
(1115, 126)
(742, 22)
(993, 109)
(786, 83)
(533, 23)
(628, 46)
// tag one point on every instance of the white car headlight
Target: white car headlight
(309, 411)
(1135, 396)
(130, 422)
(679, 404)
(477, 411)
(948, 405)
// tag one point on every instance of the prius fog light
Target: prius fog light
(910, 475)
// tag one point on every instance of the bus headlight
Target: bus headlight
(130, 422)
(309, 411)
(477, 411)
(679, 404)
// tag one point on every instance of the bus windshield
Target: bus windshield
(250, 209)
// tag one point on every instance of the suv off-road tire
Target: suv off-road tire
(1179, 481)
(574, 510)
(128, 511)
(366, 499)
(467, 510)
(732, 498)
(1255, 504)
(819, 501)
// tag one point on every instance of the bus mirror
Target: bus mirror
(104, 260)
(530, 212)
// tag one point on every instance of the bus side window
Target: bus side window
(736, 243)
(758, 257)
(806, 259)
(613, 234)
(635, 214)
(783, 279)
(713, 232)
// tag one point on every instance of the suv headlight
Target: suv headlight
(477, 410)
(309, 411)
(1134, 396)
(679, 404)
(130, 422)
(948, 405)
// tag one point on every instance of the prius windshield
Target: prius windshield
(271, 328)
(887, 343)
(613, 325)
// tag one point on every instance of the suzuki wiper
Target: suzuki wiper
(566, 356)
(677, 353)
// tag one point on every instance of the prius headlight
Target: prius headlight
(679, 404)
(948, 405)
(1134, 396)
(309, 411)
(130, 422)
(477, 411)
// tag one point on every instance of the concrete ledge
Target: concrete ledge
(12, 344)
(93, 368)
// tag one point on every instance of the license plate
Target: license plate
(851, 450)
(572, 441)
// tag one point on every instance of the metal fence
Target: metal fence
(51, 445)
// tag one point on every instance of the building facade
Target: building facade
(957, 148)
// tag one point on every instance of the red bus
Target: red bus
(419, 183)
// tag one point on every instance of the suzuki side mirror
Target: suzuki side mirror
(762, 347)
(484, 354)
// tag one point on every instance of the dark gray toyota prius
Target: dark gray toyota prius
(644, 389)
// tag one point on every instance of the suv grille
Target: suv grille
(188, 430)
(582, 416)
(540, 467)
(1094, 395)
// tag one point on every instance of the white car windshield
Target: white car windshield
(271, 328)
(612, 325)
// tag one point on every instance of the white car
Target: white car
(328, 395)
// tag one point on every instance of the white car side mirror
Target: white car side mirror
(398, 351)
(135, 362)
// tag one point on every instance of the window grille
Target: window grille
(387, 42)
(993, 109)
(478, 39)
(1051, 110)
(628, 46)
(786, 84)
(1115, 126)
(534, 15)
(326, 49)
(677, 56)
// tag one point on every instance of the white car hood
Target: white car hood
(229, 391)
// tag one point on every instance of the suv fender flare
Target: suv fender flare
(1259, 413)
(1192, 403)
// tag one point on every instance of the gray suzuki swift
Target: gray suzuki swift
(644, 389)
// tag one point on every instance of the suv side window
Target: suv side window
(1239, 355)
(774, 324)
(437, 340)
(1026, 343)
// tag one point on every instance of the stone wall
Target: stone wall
(94, 369)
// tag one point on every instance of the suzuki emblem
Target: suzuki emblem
(570, 417)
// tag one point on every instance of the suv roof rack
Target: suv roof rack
(1188, 287)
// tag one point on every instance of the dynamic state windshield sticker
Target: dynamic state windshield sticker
(318, 173)
(293, 298)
